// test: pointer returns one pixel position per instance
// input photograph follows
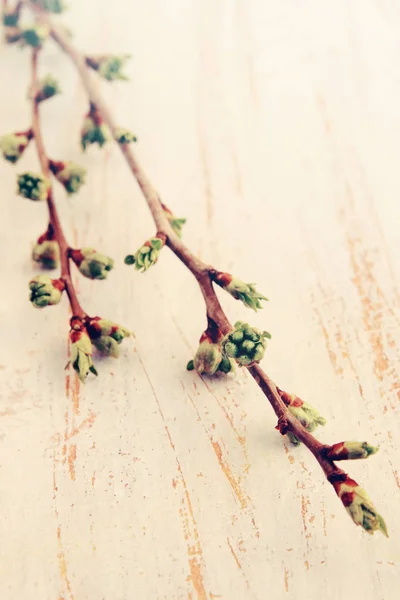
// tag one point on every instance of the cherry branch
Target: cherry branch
(295, 417)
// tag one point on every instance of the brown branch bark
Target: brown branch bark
(54, 219)
(200, 270)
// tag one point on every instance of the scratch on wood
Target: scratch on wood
(374, 304)
(237, 561)
(286, 573)
(71, 461)
(235, 484)
(76, 396)
(62, 564)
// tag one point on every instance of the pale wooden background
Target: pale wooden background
(275, 128)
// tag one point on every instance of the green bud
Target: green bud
(231, 349)
(245, 344)
(69, 174)
(359, 506)
(81, 353)
(33, 186)
(106, 335)
(190, 365)
(124, 136)
(34, 35)
(208, 357)
(14, 145)
(246, 292)
(176, 223)
(147, 255)
(308, 416)
(53, 6)
(45, 291)
(47, 253)
(94, 131)
(350, 450)
(10, 16)
(92, 264)
(237, 336)
(107, 346)
(226, 365)
(47, 88)
(108, 67)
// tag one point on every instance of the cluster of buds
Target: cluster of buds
(350, 451)
(47, 88)
(34, 35)
(106, 336)
(46, 250)
(209, 357)
(245, 344)
(53, 6)
(13, 145)
(33, 186)
(148, 254)
(176, 223)
(69, 174)
(108, 66)
(94, 131)
(306, 414)
(45, 291)
(246, 292)
(358, 505)
(92, 264)
(124, 136)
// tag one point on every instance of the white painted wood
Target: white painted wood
(274, 127)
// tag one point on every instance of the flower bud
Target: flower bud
(53, 6)
(81, 350)
(45, 291)
(47, 253)
(226, 365)
(14, 145)
(69, 174)
(11, 16)
(106, 335)
(308, 416)
(208, 357)
(124, 136)
(246, 292)
(109, 67)
(176, 223)
(245, 344)
(92, 264)
(350, 451)
(47, 88)
(34, 35)
(147, 255)
(33, 186)
(359, 506)
(94, 131)
(190, 365)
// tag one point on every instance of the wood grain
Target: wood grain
(274, 127)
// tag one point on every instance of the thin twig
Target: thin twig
(54, 219)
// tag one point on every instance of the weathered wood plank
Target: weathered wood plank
(274, 128)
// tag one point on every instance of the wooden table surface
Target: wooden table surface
(274, 127)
